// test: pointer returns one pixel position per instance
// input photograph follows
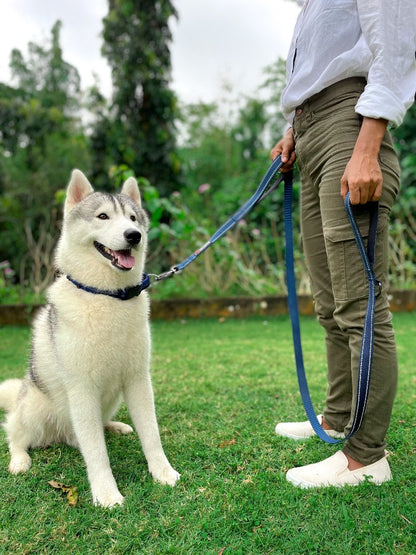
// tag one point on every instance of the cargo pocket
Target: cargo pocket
(348, 276)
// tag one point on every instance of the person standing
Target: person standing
(351, 72)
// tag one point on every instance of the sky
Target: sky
(214, 41)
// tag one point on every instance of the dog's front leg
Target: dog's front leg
(89, 431)
(140, 402)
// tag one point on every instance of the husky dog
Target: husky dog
(91, 343)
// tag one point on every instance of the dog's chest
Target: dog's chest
(108, 334)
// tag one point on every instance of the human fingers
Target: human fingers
(377, 192)
(344, 186)
(288, 166)
(276, 150)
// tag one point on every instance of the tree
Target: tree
(139, 131)
(41, 140)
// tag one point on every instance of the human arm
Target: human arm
(388, 29)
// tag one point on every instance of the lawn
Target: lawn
(220, 388)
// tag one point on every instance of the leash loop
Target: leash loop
(366, 352)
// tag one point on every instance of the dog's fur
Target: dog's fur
(90, 350)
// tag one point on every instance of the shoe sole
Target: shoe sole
(303, 484)
(331, 433)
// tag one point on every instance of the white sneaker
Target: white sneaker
(302, 430)
(334, 472)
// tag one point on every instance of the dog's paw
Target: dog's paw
(20, 463)
(118, 428)
(107, 500)
(166, 475)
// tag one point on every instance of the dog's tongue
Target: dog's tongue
(124, 259)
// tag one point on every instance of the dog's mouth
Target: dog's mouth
(123, 259)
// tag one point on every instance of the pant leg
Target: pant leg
(339, 393)
(326, 132)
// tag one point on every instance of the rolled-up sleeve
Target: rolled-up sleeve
(389, 29)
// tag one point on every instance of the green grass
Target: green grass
(220, 389)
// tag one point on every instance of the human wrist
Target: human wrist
(371, 136)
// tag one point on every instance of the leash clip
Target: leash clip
(378, 284)
(165, 275)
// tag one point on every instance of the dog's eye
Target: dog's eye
(133, 218)
(102, 216)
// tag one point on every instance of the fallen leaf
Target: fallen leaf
(257, 528)
(227, 442)
(70, 491)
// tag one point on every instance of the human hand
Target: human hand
(362, 177)
(286, 148)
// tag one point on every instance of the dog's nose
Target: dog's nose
(133, 237)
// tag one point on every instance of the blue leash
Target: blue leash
(368, 257)
(265, 187)
(366, 354)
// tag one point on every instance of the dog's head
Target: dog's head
(102, 232)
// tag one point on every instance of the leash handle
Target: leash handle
(366, 354)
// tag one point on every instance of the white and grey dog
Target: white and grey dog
(91, 343)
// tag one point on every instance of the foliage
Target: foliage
(7, 287)
(224, 154)
(249, 260)
(226, 145)
(405, 142)
(140, 128)
(403, 227)
(190, 186)
(41, 141)
(11, 292)
(220, 388)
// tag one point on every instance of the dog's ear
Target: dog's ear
(131, 189)
(78, 188)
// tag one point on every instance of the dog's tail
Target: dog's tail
(9, 390)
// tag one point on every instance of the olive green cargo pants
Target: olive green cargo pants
(326, 128)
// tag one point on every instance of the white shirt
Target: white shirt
(337, 39)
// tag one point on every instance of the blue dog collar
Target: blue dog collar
(121, 294)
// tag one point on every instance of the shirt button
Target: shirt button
(299, 111)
